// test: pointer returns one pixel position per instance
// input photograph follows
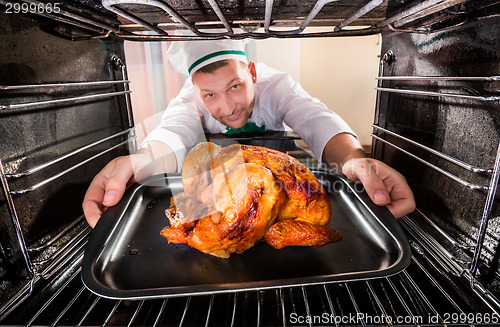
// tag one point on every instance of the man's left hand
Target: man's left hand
(384, 185)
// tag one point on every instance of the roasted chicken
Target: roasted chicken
(238, 195)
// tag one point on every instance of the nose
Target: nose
(227, 106)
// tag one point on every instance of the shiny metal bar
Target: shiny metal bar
(64, 172)
(442, 232)
(136, 312)
(56, 294)
(355, 304)
(71, 84)
(184, 313)
(278, 22)
(487, 297)
(115, 307)
(89, 310)
(439, 78)
(446, 260)
(386, 58)
(330, 304)
(160, 313)
(56, 237)
(438, 286)
(442, 171)
(435, 152)
(268, 15)
(378, 302)
(259, 309)
(61, 101)
(22, 294)
(486, 214)
(233, 316)
(111, 5)
(66, 20)
(428, 11)
(418, 291)
(437, 94)
(63, 249)
(15, 221)
(314, 11)
(400, 298)
(128, 102)
(209, 311)
(409, 12)
(306, 303)
(220, 14)
(62, 260)
(254, 35)
(361, 12)
(282, 306)
(71, 302)
(78, 18)
(49, 163)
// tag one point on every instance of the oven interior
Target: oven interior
(65, 111)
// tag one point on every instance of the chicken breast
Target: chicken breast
(237, 195)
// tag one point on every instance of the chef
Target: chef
(225, 93)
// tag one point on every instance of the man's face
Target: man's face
(228, 92)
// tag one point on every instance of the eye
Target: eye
(209, 95)
(235, 86)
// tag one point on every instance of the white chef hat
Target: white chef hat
(189, 56)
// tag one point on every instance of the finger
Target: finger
(402, 200)
(364, 171)
(117, 180)
(92, 202)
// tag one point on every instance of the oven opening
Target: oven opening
(84, 82)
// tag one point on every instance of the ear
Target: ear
(253, 71)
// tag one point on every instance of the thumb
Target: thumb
(117, 182)
(364, 171)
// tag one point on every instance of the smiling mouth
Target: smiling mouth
(233, 117)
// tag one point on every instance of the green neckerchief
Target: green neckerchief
(247, 128)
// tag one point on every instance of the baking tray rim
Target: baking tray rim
(99, 289)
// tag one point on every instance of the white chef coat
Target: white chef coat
(278, 100)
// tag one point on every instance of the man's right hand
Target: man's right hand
(109, 185)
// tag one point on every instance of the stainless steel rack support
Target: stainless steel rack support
(15, 221)
(54, 261)
(447, 261)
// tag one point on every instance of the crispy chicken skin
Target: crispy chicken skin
(307, 200)
(297, 232)
(237, 195)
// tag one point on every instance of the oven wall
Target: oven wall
(464, 129)
(33, 53)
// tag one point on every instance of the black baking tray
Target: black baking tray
(126, 258)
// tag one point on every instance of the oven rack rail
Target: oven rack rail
(239, 29)
(459, 267)
(46, 266)
(417, 295)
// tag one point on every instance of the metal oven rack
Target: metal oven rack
(458, 266)
(154, 20)
(45, 257)
(415, 297)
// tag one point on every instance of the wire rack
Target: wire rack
(416, 297)
(450, 262)
(156, 20)
(45, 267)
